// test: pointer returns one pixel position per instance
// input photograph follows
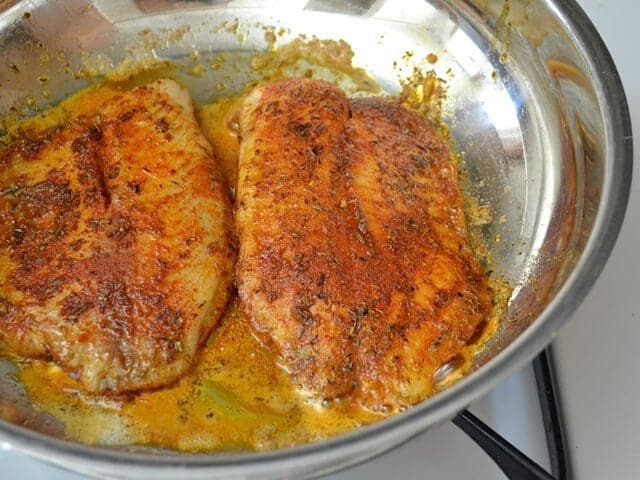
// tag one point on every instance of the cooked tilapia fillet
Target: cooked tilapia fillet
(115, 253)
(353, 260)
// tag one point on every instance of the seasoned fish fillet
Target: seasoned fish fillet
(353, 262)
(115, 252)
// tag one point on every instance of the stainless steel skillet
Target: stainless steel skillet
(534, 101)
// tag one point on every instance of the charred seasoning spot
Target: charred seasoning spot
(359, 312)
(135, 187)
(128, 115)
(27, 145)
(122, 229)
(420, 161)
(74, 305)
(47, 288)
(300, 129)
(112, 296)
(162, 125)
(301, 310)
(79, 146)
(441, 299)
(301, 263)
(42, 215)
(5, 307)
(169, 324)
(317, 150)
(111, 172)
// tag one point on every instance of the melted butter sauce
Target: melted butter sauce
(219, 123)
(236, 397)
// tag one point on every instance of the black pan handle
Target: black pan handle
(552, 416)
(515, 464)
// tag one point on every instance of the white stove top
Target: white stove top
(596, 355)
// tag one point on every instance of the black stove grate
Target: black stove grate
(515, 464)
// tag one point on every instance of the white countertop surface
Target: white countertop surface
(598, 350)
